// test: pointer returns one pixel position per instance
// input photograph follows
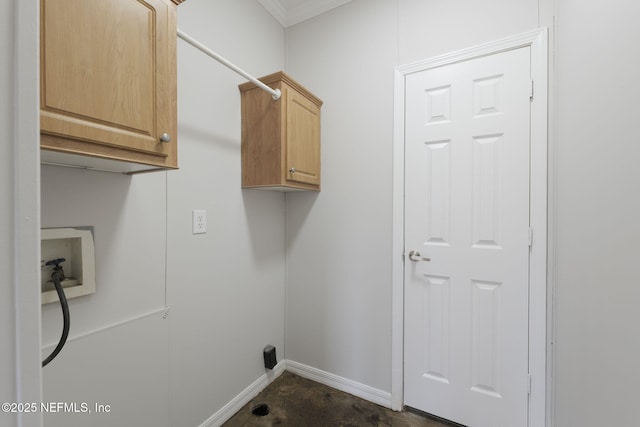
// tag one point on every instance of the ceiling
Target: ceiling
(290, 12)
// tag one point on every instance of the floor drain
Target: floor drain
(260, 410)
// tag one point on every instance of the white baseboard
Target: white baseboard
(363, 391)
(229, 410)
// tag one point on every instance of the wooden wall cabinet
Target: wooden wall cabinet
(108, 84)
(280, 138)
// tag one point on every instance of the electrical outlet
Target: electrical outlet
(199, 221)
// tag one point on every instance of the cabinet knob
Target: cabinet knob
(165, 137)
(292, 170)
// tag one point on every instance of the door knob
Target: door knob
(165, 137)
(416, 256)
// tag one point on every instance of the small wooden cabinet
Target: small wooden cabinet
(108, 83)
(280, 138)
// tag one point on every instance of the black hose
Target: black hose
(65, 315)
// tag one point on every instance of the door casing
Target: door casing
(537, 40)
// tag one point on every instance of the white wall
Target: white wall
(129, 219)
(429, 28)
(225, 288)
(598, 183)
(339, 243)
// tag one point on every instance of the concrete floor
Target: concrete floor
(298, 402)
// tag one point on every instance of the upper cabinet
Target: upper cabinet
(108, 84)
(280, 138)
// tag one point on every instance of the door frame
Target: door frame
(537, 41)
(26, 325)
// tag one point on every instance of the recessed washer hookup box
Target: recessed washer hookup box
(75, 246)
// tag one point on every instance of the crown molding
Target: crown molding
(305, 10)
(275, 8)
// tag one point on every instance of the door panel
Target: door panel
(303, 139)
(105, 76)
(467, 209)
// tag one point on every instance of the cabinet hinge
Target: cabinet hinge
(530, 236)
(528, 383)
(531, 91)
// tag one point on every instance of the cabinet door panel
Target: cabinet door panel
(303, 139)
(103, 73)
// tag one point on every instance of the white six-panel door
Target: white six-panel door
(467, 148)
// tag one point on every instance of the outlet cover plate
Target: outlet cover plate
(199, 221)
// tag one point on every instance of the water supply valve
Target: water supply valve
(57, 268)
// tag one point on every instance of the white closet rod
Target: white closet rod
(274, 92)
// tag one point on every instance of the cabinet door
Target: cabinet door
(302, 140)
(107, 77)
